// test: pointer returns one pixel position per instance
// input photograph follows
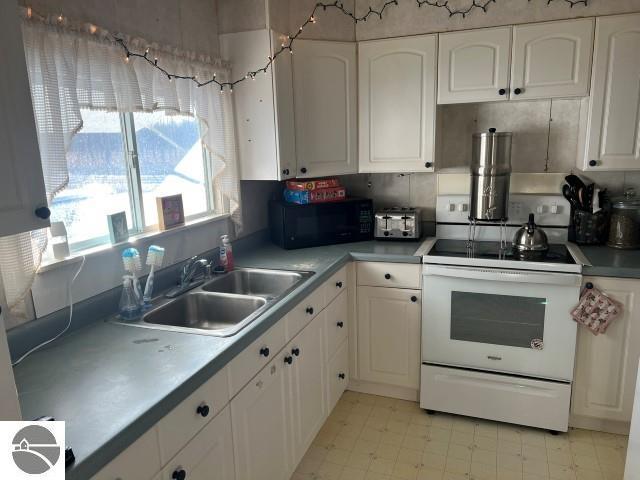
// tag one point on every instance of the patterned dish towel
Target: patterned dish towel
(596, 310)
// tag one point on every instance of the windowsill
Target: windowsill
(76, 257)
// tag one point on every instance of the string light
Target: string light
(287, 44)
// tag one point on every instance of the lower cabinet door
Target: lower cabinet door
(337, 375)
(208, 455)
(261, 425)
(606, 365)
(389, 336)
(140, 461)
(307, 383)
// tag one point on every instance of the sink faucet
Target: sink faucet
(187, 275)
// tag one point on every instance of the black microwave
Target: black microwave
(299, 226)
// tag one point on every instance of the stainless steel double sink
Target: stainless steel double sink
(224, 305)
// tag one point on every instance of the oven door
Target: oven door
(507, 321)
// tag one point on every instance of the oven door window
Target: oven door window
(498, 319)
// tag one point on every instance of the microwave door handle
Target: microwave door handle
(504, 275)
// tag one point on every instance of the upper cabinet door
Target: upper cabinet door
(23, 199)
(473, 66)
(324, 86)
(397, 100)
(552, 59)
(612, 132)
(263, 107)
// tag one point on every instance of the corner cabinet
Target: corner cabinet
(23, 199)
(473, 66)
(606, 364)
(397, 101)
(610, 119)
(325, 98)
(263, 107)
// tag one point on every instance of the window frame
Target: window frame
(134, 187)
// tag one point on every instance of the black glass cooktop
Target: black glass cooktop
(557, 253)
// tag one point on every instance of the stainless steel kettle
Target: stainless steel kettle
(530, 241)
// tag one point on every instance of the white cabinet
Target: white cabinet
(140, 461)
(544, 60)
(208, 455)
(261, 419)
(337, 374)
(23, 199)
(610, 120)
(473, 66)
(263, 106)
(389, 336)
(606, 365)
(552, 59)
(397, 89)
(307, 384)
(324, 86)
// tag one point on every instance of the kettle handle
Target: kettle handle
(531, 224)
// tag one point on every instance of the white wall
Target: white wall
(187, 24)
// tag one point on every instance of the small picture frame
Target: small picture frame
(170, 211)
(118, 227)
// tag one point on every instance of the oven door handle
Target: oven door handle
(497, 275)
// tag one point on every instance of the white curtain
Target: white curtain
(71, 68)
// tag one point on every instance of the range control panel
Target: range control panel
(549, 210)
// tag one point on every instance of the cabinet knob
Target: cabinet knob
(288, 359)
(285, 171)
(264, 351)
(303, 170)
(517, 91)
(593, 163)
(42, 212)
(295, 351)
(203, 410)
(414, 299)
(309, 310)
(428, 164)
(340, 324)
(341, 376)
(339, 284)
(588, 285)
(387, 276)
(502, 91)
(179, 474)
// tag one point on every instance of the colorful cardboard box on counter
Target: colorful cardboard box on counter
(315, 196)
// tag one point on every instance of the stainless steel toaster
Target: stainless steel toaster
(398, 223)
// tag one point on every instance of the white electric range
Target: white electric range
(497, 338)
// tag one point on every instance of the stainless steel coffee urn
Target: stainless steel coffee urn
(490, 176)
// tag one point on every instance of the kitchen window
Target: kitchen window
(122, 162)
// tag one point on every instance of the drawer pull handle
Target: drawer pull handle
(414, 299)
(340, 324)
(295, 351)
(309, 310)
(502, 91)
(517, 91)
(341, 376)
(288, 359)
(179, 474)
(339, 284)
(42, 212)
(203, 410)
(387, 276)
(264, 351)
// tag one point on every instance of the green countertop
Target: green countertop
(611, 262)
(110, 383)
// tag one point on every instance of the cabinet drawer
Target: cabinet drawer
(398, 275)
(335, 285)
(140, 461)
(336, 323)
(304, 312)
(188, 418)
(210, 451)
(338, 372)
(243, 367)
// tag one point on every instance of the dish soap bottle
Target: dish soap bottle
(226, 253)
